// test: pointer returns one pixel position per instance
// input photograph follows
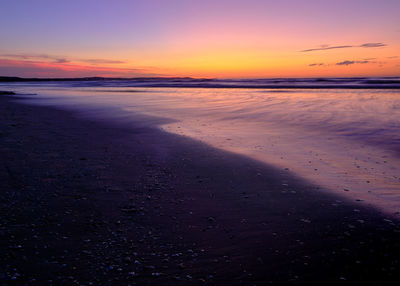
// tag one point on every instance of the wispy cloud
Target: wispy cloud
(316, 64)
(37, 68)
(324, 47)
(393, 57)
(101, 61)
(27, 56)
(346, 63)
(372, 45)
(59, 59)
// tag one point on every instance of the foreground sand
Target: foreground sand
(92, 203)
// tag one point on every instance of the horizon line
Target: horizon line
(18, 78)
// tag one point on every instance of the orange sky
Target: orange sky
(218, 38)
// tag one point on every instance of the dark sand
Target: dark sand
(92, 203)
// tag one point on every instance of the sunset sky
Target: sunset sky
(208, 38)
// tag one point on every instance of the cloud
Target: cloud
(35, 68)
(393, 57)
(325, 47)
(372, 45)
(58, 59)
(101, 61)
(25, 56)
(346, 63)
(61, 61)
(316, 64)
(40, 57)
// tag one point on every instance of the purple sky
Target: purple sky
(169, 37)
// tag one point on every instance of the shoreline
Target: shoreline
(277, 84)
(115, 204)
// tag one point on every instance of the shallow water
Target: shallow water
(345, 140)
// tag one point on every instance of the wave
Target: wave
(187, 82)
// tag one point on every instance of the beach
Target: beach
(344, 140)
(180, 143)
(87, 201)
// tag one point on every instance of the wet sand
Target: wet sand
(90, 202)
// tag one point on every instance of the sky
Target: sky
(207, 38)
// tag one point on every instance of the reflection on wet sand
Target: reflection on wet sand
(344, 140)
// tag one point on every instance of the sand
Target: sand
(88, 202)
